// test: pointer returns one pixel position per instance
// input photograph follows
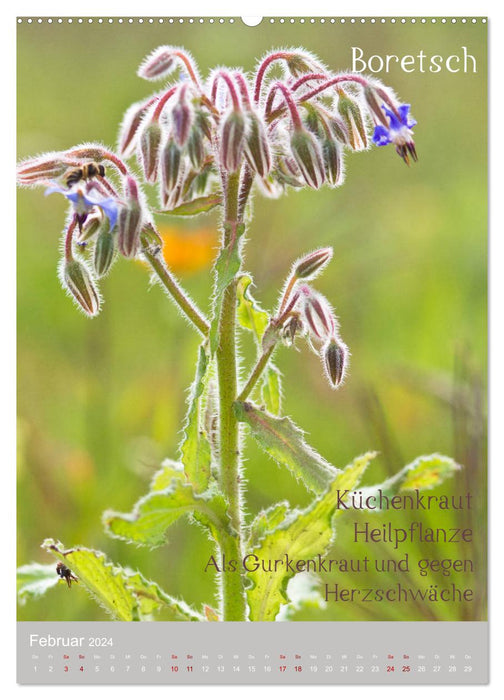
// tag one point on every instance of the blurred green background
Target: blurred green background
(101, 401)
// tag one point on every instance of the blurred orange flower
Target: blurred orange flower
(186, 252)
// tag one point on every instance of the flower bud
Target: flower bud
(182, 117)
(149, 150)
(333, 161)
(257, 148)
(232, 141)
(311, 265)
(334, 356)
(308, 156)
(78, 281)
(159, 64)
(354, 121)
(130, 125)
(40, 170)
(196, 149)
(104, 252)
(373, 102)
(91, 226)
(170, 165)
(317, 313)
(129, 221)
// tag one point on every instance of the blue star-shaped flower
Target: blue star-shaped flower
(399, 132)
(83, 204)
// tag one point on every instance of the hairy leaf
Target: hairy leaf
(163, 477)
(304, 534)
(196, 455)
(266, 521)
(151, 598)
(284, 442)
(226, 268)
(200, 205)
(34, 580)
(125, 594)
(153, 514)
(425, 472)
(271, 389)
(104, 581)
(249, 313)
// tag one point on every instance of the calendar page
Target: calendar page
(252, 349)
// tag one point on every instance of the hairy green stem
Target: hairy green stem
(233, 593)
(256, 373)
(158, 265)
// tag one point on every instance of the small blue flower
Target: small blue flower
(83, 204)
(399, 132)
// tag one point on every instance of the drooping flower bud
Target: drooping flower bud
(308, 156)
(130, 125)
(170, 165)
(39, 170)
(158, 64)
(129, 221)
(311, 265)
(374, 102)
(104, 252)
(77, 279)
(333, 161)
(149, 150)
(334, 356)
(232, 141)
(353, 118)
(94, 221)
(256, 147)
(317, 313)
(182, 117)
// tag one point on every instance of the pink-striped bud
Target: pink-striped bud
(130, 126)
(332, 154)
(129, 220)
(257, 148)
(171, 159)
(317, 313)
(78, 281)
(149, 150)
(94, 221)
(37, 171)
(159, 64)
(353, 119)
(232, 141)
(334, 356)
(308, 156)
(182, 118)
(104, 252)
(311, 265)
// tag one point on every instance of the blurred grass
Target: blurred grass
(101, 402)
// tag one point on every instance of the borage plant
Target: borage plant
(206, 145)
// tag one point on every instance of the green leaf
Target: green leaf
(104, 581)
(126, 595)
(303, 534)
(169, 470)
(425, 472)
(34, 580)
(153, 514)
(249, 313)
(151, 598)
(284, 442)
(226, 268)
(200, 205)
(271, 389)
(196, 454)
(266, 521)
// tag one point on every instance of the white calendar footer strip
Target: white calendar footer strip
(252, 652)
